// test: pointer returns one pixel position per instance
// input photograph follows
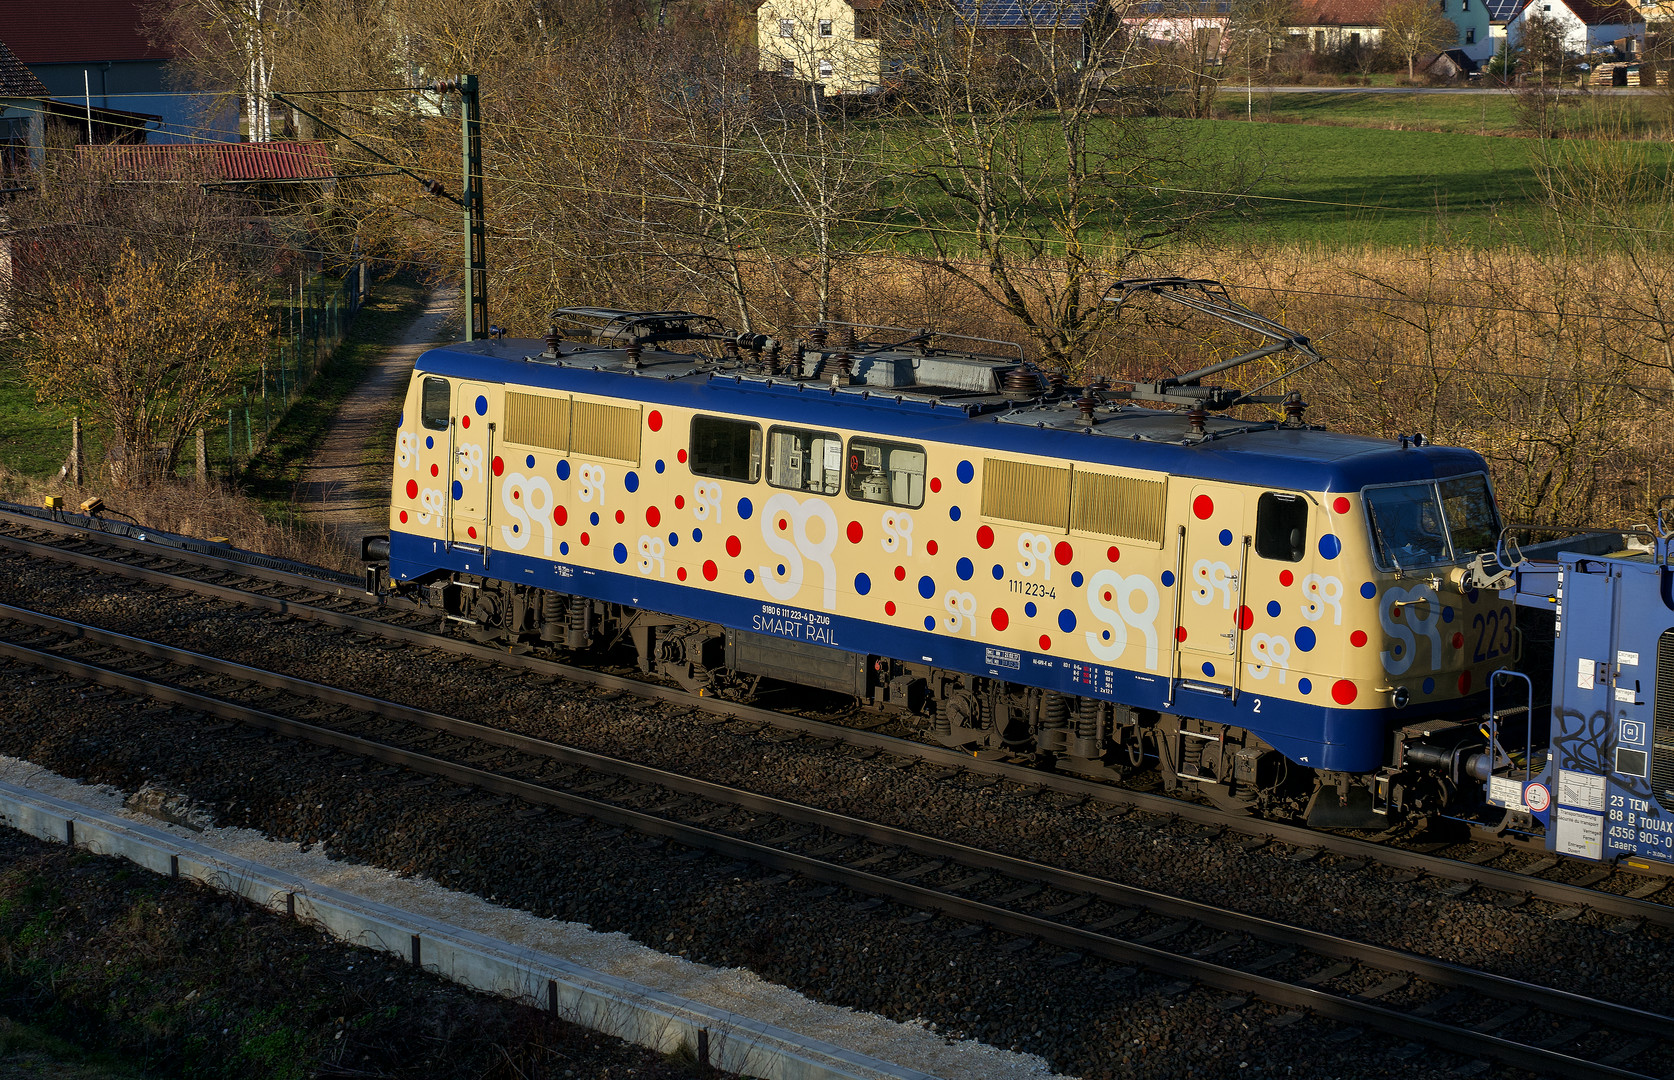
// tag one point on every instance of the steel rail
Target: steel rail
(1506, 881)
(1394, 960)
(1460, 1040)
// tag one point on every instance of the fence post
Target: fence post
(203, 457)
(75, 450)
(230, 451)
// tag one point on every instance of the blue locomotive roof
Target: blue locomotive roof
(1238, 452)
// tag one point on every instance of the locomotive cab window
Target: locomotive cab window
(437, 403)
(881, 472)
(802, 459)
(1472, 523)
(1281, 527)
(1407, 526)
(726, 449)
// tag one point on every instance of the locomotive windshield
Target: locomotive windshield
(1416, 525)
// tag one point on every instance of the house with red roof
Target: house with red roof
(1588, 26)
(100, 55)
(1336, 25)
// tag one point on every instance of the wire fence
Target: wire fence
(311, 326)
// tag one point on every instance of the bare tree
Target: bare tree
(1540, 45)
(1259, 27)
(1035, 177)
(1411, 27)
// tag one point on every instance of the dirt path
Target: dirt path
(338, 488)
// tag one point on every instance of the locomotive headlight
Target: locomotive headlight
(1401, 697)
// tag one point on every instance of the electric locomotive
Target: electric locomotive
(1280, 618)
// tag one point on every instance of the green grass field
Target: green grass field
(1332, 169)
(35, 438)
(1341, 186)
(1471, 112)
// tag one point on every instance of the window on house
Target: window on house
(787, 67)
(1470, 35)
(1464, 5)
(1354, 40)
(787, 28)
(1319, 40)
(866, 25)
(825, 28)
(825, 69)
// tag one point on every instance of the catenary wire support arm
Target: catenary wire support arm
(470, 199)
(430, 184)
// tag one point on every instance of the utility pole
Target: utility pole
(470, 200)
(476, 232)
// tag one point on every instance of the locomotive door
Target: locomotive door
(1213, 568)
(468, 502)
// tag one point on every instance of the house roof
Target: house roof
(1336, 12)
(73, 31)
(15, 79)
(1603, 13)
(1608, 11)
(225, 161)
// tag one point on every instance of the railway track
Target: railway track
(336, 600)
(1365, 986)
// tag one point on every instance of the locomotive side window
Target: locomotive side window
(434, 412)
(1281, 527)
(883, 472)
(726, 449)
(804, 460)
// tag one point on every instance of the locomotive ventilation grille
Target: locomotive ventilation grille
(607, 431)
(1019, 491)
(1120, 506)
(1662, 739)
(538, 421)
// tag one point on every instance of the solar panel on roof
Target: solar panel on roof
(1013, 15)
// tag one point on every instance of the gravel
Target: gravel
(1084, 1017)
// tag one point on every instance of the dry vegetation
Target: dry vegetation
(192, 509)
(1562, 377)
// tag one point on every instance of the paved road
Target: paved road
(1231, 88)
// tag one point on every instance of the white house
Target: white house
(1334, 25)
(1198, 25)
(1587, 27)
